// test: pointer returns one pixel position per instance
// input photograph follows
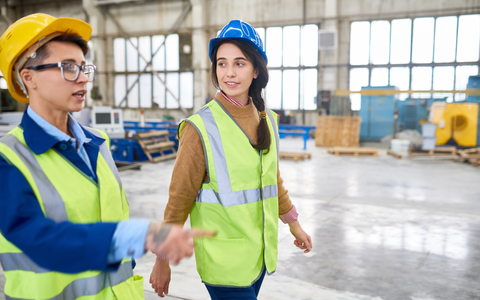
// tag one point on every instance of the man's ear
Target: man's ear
(28, 78)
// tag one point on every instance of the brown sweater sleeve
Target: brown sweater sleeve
(187, 177)
(284, 202)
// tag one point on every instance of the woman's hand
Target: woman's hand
(302, 239)
(160, 277)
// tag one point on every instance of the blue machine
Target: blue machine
(412, 111)
(377, 114)
(474, 83)
(129, 151)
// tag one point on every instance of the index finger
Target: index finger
(309, 243)
(198, 233)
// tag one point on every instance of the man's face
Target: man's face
(51, 90)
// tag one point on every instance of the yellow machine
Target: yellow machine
(457, 123)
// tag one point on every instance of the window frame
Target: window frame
(410, 65)
(300, 67)
(149, 70)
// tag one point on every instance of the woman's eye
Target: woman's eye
(240, 64)
(69, 67)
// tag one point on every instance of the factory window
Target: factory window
(292, 61)
(422, 54)
(159, 85)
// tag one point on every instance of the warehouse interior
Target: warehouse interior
(379, 131)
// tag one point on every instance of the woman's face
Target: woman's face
(234, 72)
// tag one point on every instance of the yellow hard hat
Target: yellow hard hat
(33, 30)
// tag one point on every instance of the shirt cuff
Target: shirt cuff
(128, 240)
(290, 216)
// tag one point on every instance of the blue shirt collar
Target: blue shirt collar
(41, 135)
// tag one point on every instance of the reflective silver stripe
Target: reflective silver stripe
(235, 198)
(107, 155)
(219, 159)
(275, 130)
(270, 191)
(204, 149)
(19, 261)
(124, 272)
(52, 201)
(92, 285)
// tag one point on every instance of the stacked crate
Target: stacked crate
(337, 131)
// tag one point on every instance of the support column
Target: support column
(200, 59)
(96, 19)
(328, 75)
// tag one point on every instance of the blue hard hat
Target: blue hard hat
(239, 30)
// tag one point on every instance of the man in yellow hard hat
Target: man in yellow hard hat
(64, 228)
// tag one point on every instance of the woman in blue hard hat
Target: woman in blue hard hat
(226, 175)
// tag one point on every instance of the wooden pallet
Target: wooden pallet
(438, 151)
(394, 154)
(296, 156)
(156, 142)
(355, 151)
(471, 156)
(122, 166)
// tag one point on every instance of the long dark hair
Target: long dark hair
(255, 90)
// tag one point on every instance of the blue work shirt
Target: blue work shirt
(64, 247)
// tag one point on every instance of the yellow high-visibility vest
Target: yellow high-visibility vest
(64, 194)
(239, 201)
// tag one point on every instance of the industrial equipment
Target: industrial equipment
(474, 84)
(377, 114)
(128, 150)
(457, 123)
(109, 120)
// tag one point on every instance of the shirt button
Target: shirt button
(63, 146)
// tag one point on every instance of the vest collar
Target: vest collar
(39, 141)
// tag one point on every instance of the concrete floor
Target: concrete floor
(382, 228)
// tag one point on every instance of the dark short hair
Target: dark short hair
(42, 52)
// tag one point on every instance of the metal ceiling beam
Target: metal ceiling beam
(149, 63)
(109, 2)
(38, 2)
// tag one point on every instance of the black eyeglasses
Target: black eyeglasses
(70, 71)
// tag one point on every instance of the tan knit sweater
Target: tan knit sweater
(190, 169)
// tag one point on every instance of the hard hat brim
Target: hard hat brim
(215, 41)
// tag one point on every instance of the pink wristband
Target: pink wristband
(290, 216)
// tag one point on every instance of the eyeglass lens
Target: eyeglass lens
(71, 71)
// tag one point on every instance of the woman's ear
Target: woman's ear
(28, 79)
(255, 73)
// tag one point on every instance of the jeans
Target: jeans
(224, 293)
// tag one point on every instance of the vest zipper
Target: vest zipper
(263, 210)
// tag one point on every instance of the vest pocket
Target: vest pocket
(227, 260)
